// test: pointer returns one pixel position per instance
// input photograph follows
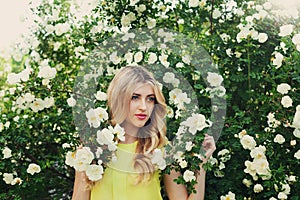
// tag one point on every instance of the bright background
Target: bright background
(14, 12)
(12, 15)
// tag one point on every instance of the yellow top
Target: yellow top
(117, 182)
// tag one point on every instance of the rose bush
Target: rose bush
(255, 53)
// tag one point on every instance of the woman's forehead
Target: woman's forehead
(144, 88)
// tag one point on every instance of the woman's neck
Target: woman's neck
(130, 133)
(129, 139)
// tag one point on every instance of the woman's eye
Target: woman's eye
(134, 97)
(151, 99)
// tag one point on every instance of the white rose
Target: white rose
(164, 60)
(128, 57)
(286, 188)
(283, 88)
(196, 122)
(49, 28)
(188, 176)
(138, 57)
(93, 118)
(151, 23)
(152, 58)
(221, 166)
(279, 139)
(133, 2)
(33, 168)
(286, 101)
(8, 178)
(216, 14)
(70, 158)
(13, 78)
(29, 97)
(94, 172)
(125, 20)
(296, 39)
(98, 153)
(37, 105)
(261, 166)
(16, 181)
(297, 133)
(47, 72)
(296, 120)
(48, 101)
(1, 126)
(189, 145)
(278, 60)
(229, 52)
(292, 178)
(282, 195)
(293, 142)
(114, 58)
(141, 8)
(248, 142)
(182, 163)
(179, 65)
(186, 59)
(297, 155)
(61, 28)
(71, 101)
(105, 136)
(158, 159)
(247, 182)
(168, 77)
(132, 16)
(229, 196)
(298, 47)
(258, 188)
(119, 131)
(262, 37)
(25, 74)
(83, 158)
(101, 113)
(258, 152)
(286, 30)
(214, 79)
(6, 153)
(101, 96)
(193, 3)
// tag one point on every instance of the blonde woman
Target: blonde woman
(136, 103)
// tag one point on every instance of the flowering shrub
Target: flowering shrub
(248, 55)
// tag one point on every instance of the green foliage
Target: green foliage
(250, 77)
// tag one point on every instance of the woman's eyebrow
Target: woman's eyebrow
(140, 94)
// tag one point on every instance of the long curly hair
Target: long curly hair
(152, 135)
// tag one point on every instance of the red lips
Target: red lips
(141, 116)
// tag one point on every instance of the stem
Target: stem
(211, 16)
(249, 66)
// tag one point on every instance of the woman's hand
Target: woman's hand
(81, 189)
(209, 147)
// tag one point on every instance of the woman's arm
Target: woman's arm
(81, 190)
(178, 191)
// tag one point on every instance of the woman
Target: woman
(136, 103)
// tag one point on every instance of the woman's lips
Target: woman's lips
(141, 116)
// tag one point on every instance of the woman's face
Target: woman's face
(141, 106)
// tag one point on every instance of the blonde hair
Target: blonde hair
(152, 135)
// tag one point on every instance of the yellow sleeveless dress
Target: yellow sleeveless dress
(118, 180)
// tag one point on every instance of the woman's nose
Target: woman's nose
(142, 105)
